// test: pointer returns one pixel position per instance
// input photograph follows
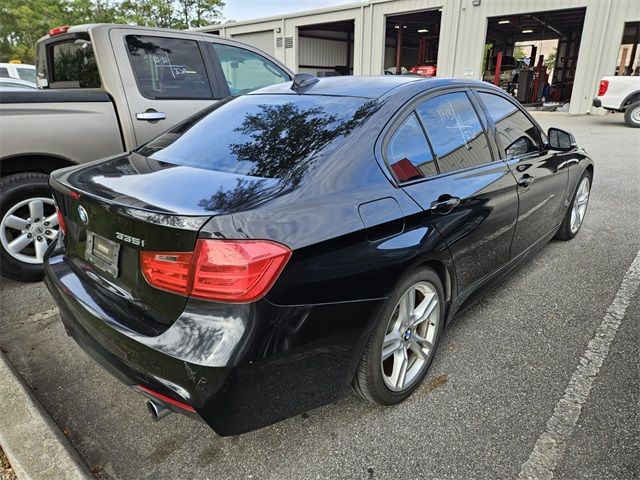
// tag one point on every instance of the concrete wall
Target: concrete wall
(463, 31)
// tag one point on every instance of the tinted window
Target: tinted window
(516, 134)
(28, 74)
(168, 67)
(4, 72)
(75, 65)
(408, 152)
(245, 70)
(269, 136)
(455, 132)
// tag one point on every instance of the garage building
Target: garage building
(476, 39)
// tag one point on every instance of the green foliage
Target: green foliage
(518, 53)
(23, 22)
(550, 60)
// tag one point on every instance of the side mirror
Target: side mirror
(561, 140)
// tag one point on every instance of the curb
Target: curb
(31, 440)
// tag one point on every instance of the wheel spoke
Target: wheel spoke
(16, 223)
(407, 303)
(425, 309)
(18, 244)
(422, 342)
(36, 210)
(390, 345)
(417, 349)
(400, 365)
(52, 220)
(41, 247)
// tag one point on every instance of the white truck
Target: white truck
(620, 94)
(104, 90)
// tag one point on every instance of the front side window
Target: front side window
(73, 65)
(455, 132)
(408, 153)
(516, 134)
(168, 68)
(245, 70)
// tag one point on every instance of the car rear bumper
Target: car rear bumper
(273, 362)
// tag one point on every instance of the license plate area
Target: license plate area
(103, 253)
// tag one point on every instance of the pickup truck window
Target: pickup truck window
(73, 65)
(168, 68)
(245, 70)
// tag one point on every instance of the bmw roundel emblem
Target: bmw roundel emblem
(84, 216)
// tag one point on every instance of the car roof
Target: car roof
(364, 86)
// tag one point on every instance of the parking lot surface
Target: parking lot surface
(501, 370)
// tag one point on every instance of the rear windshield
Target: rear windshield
(28, 74)
(67, 64)
(269, 136)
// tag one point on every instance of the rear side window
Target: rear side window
(267, 136)
(73, 65)
(517, 135)
(408, 153)
(4, 72)
(245, 70)
(168, 68)
(455, 132)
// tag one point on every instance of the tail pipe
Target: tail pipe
(157, 411)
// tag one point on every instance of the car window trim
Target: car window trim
(135, 76)
(221, 81)
(501, 150)
(410, 107)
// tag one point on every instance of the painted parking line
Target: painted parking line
(551, 444)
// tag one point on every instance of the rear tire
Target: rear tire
(16, 194)
(575, 213)
(400, 339)
(632, 115)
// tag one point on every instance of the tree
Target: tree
(550, 59)
(23, 22)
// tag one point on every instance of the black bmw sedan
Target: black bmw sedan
(262, 257)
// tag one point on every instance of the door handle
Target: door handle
(525, 180)
(445, 205)
(151, 116)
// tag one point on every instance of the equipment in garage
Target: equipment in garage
(529, 81)
(411, 42)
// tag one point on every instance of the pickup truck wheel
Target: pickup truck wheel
(632, 115)
(28, 225)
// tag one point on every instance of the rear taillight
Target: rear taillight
(61, 225)
(604, 85)
(224, 270)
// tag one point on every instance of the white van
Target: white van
(18, 70)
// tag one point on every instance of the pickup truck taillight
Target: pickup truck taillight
(236, 271)
(604, 84)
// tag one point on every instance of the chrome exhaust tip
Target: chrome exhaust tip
(157, 411)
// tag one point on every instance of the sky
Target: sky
(248, 9)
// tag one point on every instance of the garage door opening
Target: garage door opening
(534, 56)
(411, 43)
(326, 49)
(628, 55)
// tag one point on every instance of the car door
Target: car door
(540, 173)
(444, 159)
(167, 78)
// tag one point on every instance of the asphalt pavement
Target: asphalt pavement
(500, 372)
